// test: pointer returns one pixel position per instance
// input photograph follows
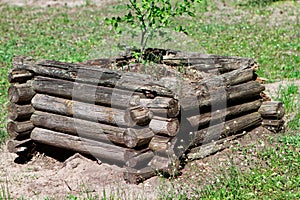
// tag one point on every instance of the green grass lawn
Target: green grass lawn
(270, 33)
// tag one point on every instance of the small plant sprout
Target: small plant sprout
(151, 16)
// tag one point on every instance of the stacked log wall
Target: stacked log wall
(132, 120)
(19, 126)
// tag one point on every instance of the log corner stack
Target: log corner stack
(131, 119)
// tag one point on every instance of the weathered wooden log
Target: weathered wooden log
(226, 129)
(96, 76)
(20, 93)
(273, 125)
(100, 150)
(82, 110)
(140, 161)
(162, 106)
(19, 76)
(136, 176)
(168, 127)
(219, 115)
(237, 93)
(160, 143)
(19, 112)
(84, 92)
(137, 137)
(213, 147)
(205, 62)
(15, 146)
(272, 110)
(82, 128)
(140, 115)
(166, 165)
(19, 127)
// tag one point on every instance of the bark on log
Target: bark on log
(162, 106)
(82, 128)
(19, 130)
(19, 112)
(219, 115)
(81, 110)
(226, 129)
(160, 143)
(139, 115)
(19, 76)
(137, 137)
(136, 176)
(19, 127)
(168, 127)
(272, 110)
(140, 161)
(100, 150)
(83, 92)
(15, 146)
(213, 147)
(231, 94)
(204, 62)
(96, 76)
(20, 93)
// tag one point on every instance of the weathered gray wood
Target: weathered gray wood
(205, 62)
(162, 106)
(19, 112)
(272, 110)
(100, 150)
(82, 128)
(19, 127)
(139, 115)
(226, 129)
(137, 137)
(213, 147)
(83, 92)
(20, 93)
(140, 161)
(19, 130)
(19, 76)
(96, 76)
(168, 127)
(219, 115)
(237, 93)
(81, 110)
(15, 146)
(160, 143)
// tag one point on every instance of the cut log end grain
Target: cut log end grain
(19, 76)
(15, 146)
(137, 137)
(20, 93)
(138, 115)
(19, 112)
(168, 127)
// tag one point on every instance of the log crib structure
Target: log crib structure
(144, 118)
